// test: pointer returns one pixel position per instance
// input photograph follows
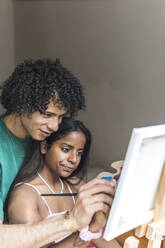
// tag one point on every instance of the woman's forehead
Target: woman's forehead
(74, 137)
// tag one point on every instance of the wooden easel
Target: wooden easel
(155, 230)
(149, 235)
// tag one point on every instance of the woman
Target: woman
(55, 166)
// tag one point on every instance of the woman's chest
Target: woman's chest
(48, 205)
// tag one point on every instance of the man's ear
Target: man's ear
(43, 147)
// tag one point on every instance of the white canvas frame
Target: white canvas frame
(138, 184)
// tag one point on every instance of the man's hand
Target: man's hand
(94, 196)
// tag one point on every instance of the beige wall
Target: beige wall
(6, 39)
(116, 48)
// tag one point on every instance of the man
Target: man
(36, 97)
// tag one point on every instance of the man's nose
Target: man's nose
(53, 124)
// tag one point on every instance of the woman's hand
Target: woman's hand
(94, 196)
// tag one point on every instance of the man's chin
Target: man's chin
(38, 137)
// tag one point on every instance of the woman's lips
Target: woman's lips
(65, 168)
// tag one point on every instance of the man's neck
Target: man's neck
(14, 124)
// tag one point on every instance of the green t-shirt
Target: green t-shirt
(12, 152)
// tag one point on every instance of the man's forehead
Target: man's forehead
(56, 106)
(60, 105)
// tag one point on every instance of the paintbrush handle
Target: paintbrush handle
(65, 194)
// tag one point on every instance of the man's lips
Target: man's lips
(46, 134)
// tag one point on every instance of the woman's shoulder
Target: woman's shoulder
(23, 203)
(23, 192)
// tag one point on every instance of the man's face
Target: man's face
(39, 126)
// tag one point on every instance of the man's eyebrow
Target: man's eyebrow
(51, 113)
(65, 114)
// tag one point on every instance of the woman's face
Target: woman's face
(64, 156)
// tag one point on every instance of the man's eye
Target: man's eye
(60, 119)
(46, 115)
(80, 153)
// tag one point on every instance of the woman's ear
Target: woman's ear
(43, 147)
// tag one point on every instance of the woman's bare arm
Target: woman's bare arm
(45, 232)
(23, 206)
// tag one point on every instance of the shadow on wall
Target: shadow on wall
(114, 168)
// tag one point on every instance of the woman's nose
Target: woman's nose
(73, 157)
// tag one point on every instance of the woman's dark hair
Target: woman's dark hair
(34, 160)
(35, 82)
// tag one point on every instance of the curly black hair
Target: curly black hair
(35, 82)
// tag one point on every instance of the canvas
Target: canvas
(139, 181)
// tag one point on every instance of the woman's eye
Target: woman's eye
(65, 149)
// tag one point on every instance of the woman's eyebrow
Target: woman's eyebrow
(66, 144)
(70, 146)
